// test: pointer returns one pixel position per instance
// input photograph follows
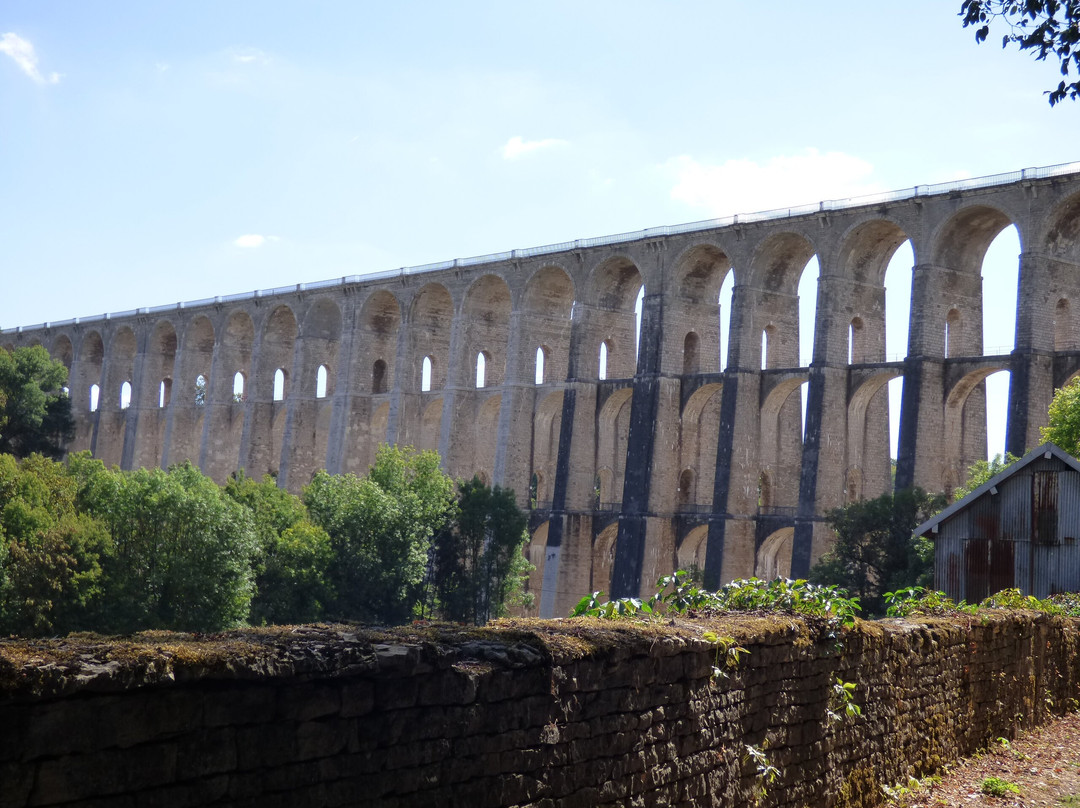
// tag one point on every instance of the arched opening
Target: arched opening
(125, 395)
(808, 283)
(764, 492)
(541, 358)
(425, 374)
(534, 489)
(602, 373)
(685, 493)
(238, 387)
(378, 377)
(164, 393)
(898, 277)
(200, 390)
(548, 308)
(691, 553)
(856, 352)
(95, 392)
(320, 382)
(481, 369)
(727, 300)
(774, 555)
(691, 359)
(279, 384)
(954, 333)
(1063, 330)
(638, 305)
(769, 347)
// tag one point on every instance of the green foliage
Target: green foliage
(35, 411)
(293, 555)
(982, 471)
(917, 600)
(842, 701)
(765, 773)
(875, 551)
(477, 556)
(183, 549)
(677, 594)
(50, 555)
(1063, 427)
(1044, 27)
(380, 529)
(997, 787)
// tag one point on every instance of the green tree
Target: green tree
(380, 528)
(51, 556)
(293, 554)
(183, 549)
(874, 551)
(477, 563)
(1063, 427)
(981, 471)
(1048, 28)
(35, 411)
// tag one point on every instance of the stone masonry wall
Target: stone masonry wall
(573, 713)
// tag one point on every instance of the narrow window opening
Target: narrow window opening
(125, 395)
(378, 377)
(238, 387)
(200, 390)
(164, 392)
(540, 360)
(425, 375)
(95, 392)
(603, 360)
(320, 382)
(481, 370)
(279, 384)
(690, 354)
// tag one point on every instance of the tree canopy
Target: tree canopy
(1048, 28)
(1063, 419)
(875, 551)
(35, 411)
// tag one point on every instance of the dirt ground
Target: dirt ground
(1044, 766)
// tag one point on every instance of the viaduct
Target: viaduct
(523, 367)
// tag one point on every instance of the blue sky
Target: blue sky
(167, 151)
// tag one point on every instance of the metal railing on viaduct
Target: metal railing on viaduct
(587, 375)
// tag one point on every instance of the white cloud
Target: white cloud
(252, 240)
(517, 146)
(22, 52)
(746, 186)
(248, 55)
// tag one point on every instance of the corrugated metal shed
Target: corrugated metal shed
(1017, 530)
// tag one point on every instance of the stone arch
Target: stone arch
(776, 268)
(604, 557)
(686, 492)
(868, 447)
(380, 322)
(605, 487)
(486, 431)
(486, 313)
(964, 435)
(1065, 330)
(118, 373)
(694, 297)
(320, 337)
(63, 351)
(1060, 237)
(773, 558)
(781, 440)
(237, 343)
(961, 241)
(547, 307)
(121, 365)
(537, 555)
(431, 425)
(610, 318)
(188, 399)
(277, 348)
(614, 432)
(91, 361)
(547, 423)
(159, 368)
(699, 431)
(690, 555)
(320, 340)
(430, 320)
